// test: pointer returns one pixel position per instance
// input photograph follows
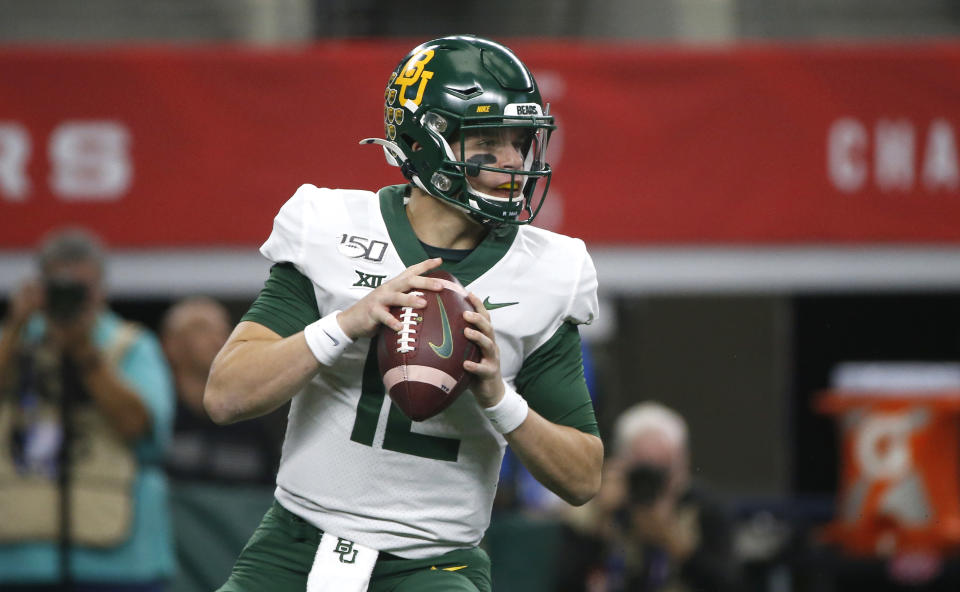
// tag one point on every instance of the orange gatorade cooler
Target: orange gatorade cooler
(900, 473)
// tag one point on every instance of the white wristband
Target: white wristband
(326, 339)
(509, 413)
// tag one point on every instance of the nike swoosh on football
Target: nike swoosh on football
(445, 349)
(335, 341)
(495, 305)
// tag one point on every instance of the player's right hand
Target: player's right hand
(364, 318)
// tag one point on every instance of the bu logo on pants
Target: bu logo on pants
(346, 551)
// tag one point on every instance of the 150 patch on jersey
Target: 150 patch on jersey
(359, 247)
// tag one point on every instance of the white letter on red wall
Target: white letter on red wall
(14, 152)
(846, 160)
(90, 161)
(895, 149)
(940, 159)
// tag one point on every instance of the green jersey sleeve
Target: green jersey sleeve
(551, 380)
(286, 304)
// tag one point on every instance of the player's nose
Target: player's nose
(510, 157)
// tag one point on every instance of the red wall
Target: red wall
(200, 147)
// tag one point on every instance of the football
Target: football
(422, 364)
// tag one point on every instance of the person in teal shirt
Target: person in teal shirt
(64, 354)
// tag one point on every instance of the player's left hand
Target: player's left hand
(487, 383)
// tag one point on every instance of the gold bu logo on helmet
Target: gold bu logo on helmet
(412, 73)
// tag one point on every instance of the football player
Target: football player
(365, 498)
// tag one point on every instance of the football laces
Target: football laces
(406, 340)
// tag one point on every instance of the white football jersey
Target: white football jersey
(352, 464)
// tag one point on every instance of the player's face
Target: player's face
(499, 148)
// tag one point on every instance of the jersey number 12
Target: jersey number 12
(398, 436)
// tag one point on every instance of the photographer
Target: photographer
(86, 406)
(660, 530)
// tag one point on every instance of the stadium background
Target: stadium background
(768, 188)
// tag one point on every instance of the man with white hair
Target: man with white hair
(652, 435)
(661, 531)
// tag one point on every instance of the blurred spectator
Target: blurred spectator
(193, 331)
(86, 407)
(659, 530)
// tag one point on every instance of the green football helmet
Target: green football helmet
(450, 87)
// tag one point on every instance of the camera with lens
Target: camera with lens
(646, 483)
(65, 298)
